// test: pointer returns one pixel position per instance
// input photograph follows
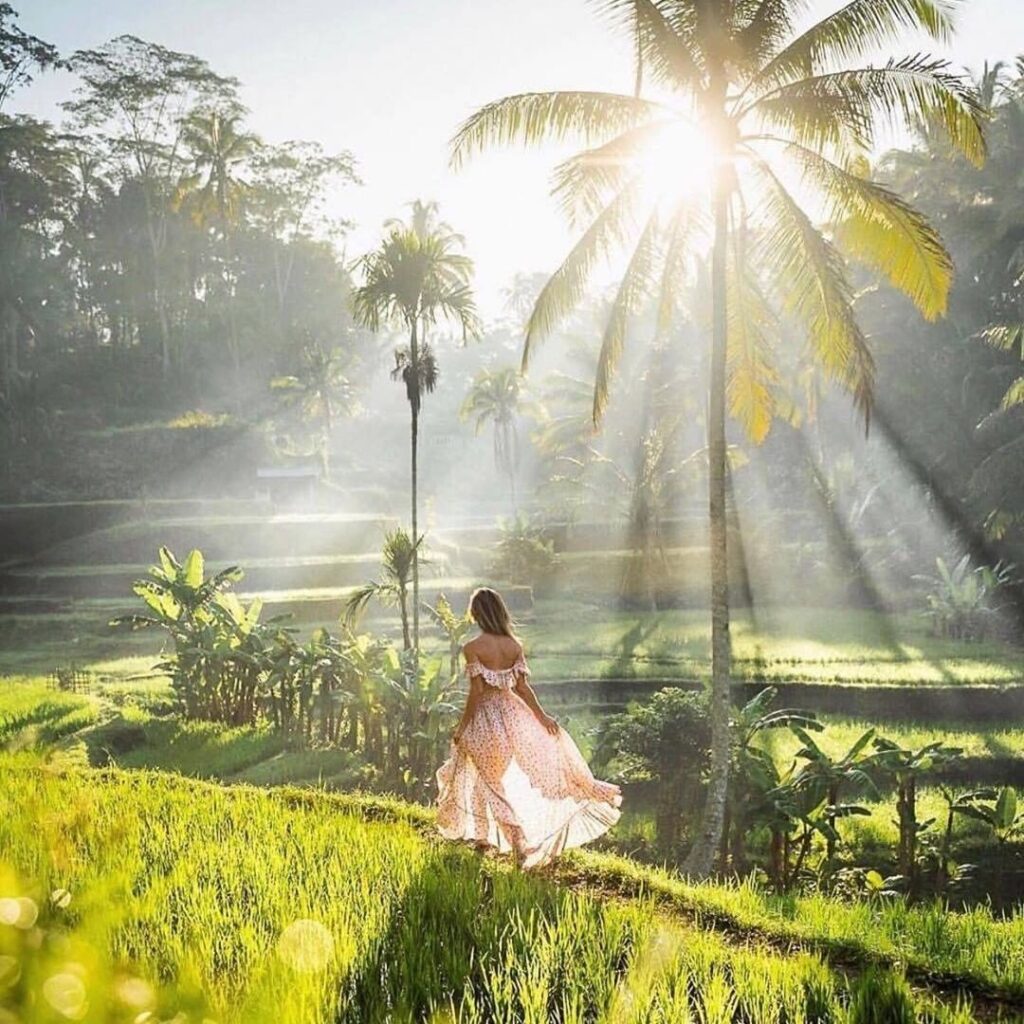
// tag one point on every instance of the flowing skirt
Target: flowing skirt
(511, 784)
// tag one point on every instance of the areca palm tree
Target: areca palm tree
(398, 559)
(757, 132)
(495, 397)
(417, 278)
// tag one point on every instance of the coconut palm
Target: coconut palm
(747, 110)
(213, 191)
(417, 278)
(495, 397)
(320, 389)
(219, 149)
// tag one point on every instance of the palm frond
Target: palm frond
(810, 279)
(1014, 394)
(914, 90)
(1004, 336)
(567, 285)
(857, 28)
(531, 118)
(750, 374)
(761, 37)
(878, 228)
(361, 597)
(633, 289)
(664, 52)
(583, 183)
(673, 271)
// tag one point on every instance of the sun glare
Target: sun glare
(680, 161)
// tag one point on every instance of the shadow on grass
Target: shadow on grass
(461, 924)
(621, 665)
(441, 936)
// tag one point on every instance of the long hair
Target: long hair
(490, 612)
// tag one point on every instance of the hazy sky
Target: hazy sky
(390, 80)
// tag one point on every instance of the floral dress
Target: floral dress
(513, 785)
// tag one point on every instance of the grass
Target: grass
(33, 715)
(787, 645)
(569, 641)
(841, 733)
(254, 905)
(975, 947)
(128, 724)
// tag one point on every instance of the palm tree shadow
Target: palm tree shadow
(623, 662)
(449, 927)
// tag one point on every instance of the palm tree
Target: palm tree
(767, 104)
(495, 396)
(398, 560)
(416, 278)
(320, 389)
(213, 192)
(219, 148)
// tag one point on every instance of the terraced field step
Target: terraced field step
(319, 605)
(234, 538)
(913, 702)
(261, 574)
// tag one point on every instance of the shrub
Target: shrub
(525, 554)
(963, 602)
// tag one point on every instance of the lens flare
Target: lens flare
(306, 946)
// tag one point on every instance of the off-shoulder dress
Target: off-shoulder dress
(511, 784)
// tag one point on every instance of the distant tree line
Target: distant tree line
(154, 252)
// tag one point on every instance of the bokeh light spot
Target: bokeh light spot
(306, 946)
(65, 992)
(19, 911)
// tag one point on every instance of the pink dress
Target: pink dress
(511, 784)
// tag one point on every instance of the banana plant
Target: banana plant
(454, 627)
(213, 666)
(825, 779)
(996, 808)
(419, 708)
(306, 687)
(962, 599)
(176, 592)
(905, 766)
(759, 792)
(370, 661)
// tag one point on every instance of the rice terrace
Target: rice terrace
(512, 513)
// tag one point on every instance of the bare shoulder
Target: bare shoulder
(470, 649)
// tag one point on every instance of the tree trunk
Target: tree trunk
(701, 858)
(403, 608)
(156, 247)
(830, 841)
(414, 358)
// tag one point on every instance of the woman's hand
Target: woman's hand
(549, 723)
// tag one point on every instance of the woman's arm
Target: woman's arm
(525, 690)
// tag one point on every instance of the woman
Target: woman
(515, 779)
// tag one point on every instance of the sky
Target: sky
(390, 80)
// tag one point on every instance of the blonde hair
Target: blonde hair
(490, 613)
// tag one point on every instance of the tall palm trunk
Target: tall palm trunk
(700, 861)
(414, 358)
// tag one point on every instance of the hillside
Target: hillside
(296, 905)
